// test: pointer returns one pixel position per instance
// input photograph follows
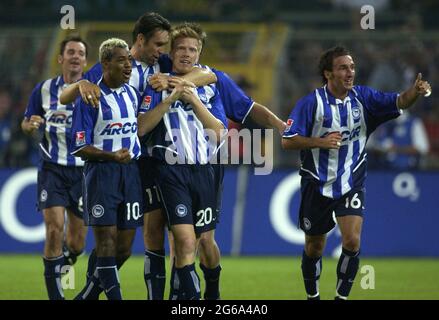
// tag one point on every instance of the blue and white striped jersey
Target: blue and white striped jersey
(110, 127)
(44, 102)
(140, 74)
(320, 113)
(189, 144)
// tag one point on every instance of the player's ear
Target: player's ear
(328, 74)
(105, 64)
(140, 39)
(60, 59)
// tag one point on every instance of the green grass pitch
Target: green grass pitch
(260, 278)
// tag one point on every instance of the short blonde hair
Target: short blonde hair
(188, 30)
(107, 47)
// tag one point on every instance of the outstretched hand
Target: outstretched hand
(422, 87)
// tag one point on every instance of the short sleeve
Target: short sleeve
(380, 106)
(35, 104)
(217, 109)
(150, 99)
(237, 105)
(83, 121)
(301, 119)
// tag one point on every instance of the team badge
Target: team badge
(306, 223)
(80, 138)
(356, 113)
(289, 124)
(181, 210)
(97, 211)
(43, 196)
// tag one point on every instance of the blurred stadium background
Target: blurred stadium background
(271, 48)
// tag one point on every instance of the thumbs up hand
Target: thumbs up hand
(422, 87)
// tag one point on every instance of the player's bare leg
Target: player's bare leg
(312, 264)
(350, 228)
(185, 247)
(106, 247)
(76, 233)
(53, 258)
(210, 264)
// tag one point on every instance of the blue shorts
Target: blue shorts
(112, 195)
(315, 213)
(218, 170)
(148, 175)
(189, 197)
(60, 186)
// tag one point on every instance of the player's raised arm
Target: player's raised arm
(207, 119)
(147, 121)
(89, 92)
(196, 78)
(409, 96)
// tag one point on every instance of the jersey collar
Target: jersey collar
(108, 91)
(330, 99)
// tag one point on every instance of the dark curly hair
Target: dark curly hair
(327, 59)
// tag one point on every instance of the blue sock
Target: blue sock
(108, 276)
(311, 270)
(211, 277)
(174, 284)
(52, 276)
(155, 274)
(190, 283)
(93, 287)
(347, 268)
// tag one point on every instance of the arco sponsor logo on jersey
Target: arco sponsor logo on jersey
(118, 128)
(350, 135)
(60, 118)
(179, 104)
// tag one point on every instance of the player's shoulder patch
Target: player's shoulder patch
(289, 124)
(80, 138)
(146, 103)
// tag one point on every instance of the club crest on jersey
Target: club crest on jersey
(181, 210)
(80, 138)
(356, 113)
(146, 103)
(289, 124)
